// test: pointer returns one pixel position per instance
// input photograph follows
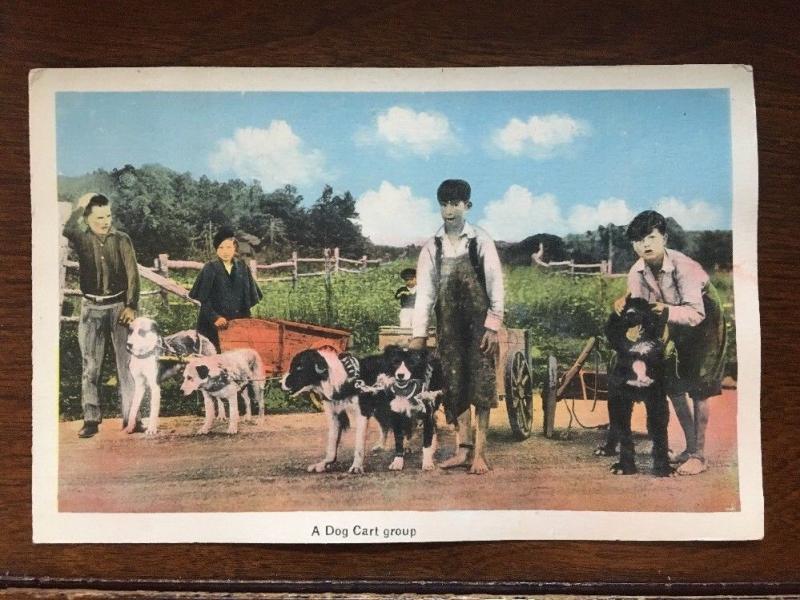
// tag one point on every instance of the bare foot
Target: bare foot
(479, 466)
(694, 466)
(459, 459)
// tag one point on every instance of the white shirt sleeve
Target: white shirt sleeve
(493, 272)
(426, 290)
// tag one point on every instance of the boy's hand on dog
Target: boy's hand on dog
(489, 343)
(619, 303)
(658, 308)
(221, 323)
(127, 316)
(417, 343)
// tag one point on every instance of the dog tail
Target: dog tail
(344, 421)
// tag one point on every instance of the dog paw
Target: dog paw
(397, 464)
(665, 471)
(319, 467)
(151, 431)
(232, 430)
(604, 451)
(620, 469)
(478, 467)
(356, 469)
(428, 466)
(203, 431)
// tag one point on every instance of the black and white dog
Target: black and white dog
(639, 337)
(396, 387)
(350, 389)
(415, 395)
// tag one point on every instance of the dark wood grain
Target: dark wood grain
(414, 34)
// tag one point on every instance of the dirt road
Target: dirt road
(263, 468)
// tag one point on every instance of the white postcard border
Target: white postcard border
(52, 526)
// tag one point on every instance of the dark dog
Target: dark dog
(415, 395)
(637, 375)
(359, 389)
(350, 389)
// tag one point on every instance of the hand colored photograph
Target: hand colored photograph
(360, 312)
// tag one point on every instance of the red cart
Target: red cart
(278, 340)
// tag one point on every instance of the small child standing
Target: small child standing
(407, 296)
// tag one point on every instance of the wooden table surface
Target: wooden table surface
(415, 34)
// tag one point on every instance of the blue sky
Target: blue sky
(552, 162)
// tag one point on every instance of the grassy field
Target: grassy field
(560, 311)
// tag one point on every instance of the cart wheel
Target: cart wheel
(519, 396)
(549, 398)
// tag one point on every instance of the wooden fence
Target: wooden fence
(331, 262)
(570, 266)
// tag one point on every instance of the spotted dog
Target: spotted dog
(184, 345)
(639, 338)
(222, 377)
(350, 389)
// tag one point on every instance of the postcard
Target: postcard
(313, 305)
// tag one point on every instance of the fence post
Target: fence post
(603, 267)
(572, 267)
(364, 263)
(294, 269)
(163, 269)
(253, 268)
(336, 260)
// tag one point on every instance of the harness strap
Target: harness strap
(474, 260)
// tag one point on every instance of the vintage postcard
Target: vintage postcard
(395, 305)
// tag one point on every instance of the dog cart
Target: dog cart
(513, 372)
(577, 382)
(278, 340)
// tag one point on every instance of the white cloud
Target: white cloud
(519, 214)
(406, 131)
(541, 136)
(611, 210)
(275, 156)
(393, 216)
(691, 216)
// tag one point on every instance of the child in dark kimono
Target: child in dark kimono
(225, 288)
(459, 273)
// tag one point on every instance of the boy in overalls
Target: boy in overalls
(459, 273)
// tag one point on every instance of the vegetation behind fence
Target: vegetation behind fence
(560, 311)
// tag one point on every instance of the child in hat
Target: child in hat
(225, 288)
(407, 295)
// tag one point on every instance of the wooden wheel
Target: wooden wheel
(550, 396)
(519, 395)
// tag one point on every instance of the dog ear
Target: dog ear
(202, 371)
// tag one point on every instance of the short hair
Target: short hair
(644, 223)
(96, 200)
(451, 190)
(408, 274)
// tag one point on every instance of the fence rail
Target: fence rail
(331, 263)
(602, 268)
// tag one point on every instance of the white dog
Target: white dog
(144, 345)
(223, 376)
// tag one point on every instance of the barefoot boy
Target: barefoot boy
(458, 273)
